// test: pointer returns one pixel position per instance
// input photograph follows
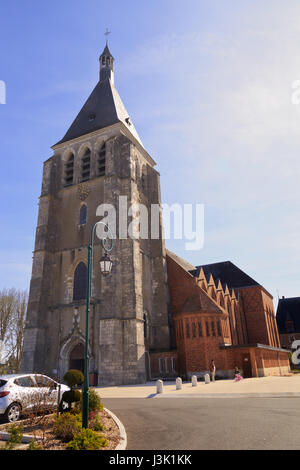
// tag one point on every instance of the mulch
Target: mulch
(42, 426)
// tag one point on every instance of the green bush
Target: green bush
(96, 424)
(33, 445)
(15, 432)
(94, 401)
(87, 440)
(74, 378)
(66, 427)
(71, 396)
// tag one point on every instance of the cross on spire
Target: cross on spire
(107, 33)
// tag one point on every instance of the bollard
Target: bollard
(159, 386)
(207, 378)
(178, 383)
(194, 381)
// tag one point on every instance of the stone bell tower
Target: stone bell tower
(100, 160)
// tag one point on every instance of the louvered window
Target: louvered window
(102, 160)
(69, 171)
(86, 166)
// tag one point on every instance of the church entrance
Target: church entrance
(77, 357)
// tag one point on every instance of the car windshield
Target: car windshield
(2, 383)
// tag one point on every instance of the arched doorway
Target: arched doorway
(76, 360)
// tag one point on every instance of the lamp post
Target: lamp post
(105, 268)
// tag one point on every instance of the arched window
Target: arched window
(69, 170)
(83, 215)
(86, 165)
(101, 160)
(80, 282)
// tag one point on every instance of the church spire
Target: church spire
(104, 106)
(106, 62)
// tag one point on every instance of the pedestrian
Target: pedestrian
(213, 370)
(237, 374)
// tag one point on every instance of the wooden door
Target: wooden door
(247, 366)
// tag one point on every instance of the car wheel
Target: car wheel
(13, 413)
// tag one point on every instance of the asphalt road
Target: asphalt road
(209, 424)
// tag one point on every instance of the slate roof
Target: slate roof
(287, 310)
(228, 273)
(106, 51)
(103, 108)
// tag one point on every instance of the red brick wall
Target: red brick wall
(154, 362)
(251, 300)
(251, 319)
(195, 353)
(181, 285)
(260, 320)
(263, 361)
(242, 334)
(271, 319)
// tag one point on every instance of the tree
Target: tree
(13, 306)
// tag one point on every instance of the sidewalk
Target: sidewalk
(255, 387)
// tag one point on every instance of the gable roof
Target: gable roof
(103, 108)
(182, 262)
(288, 310)
(228, 273)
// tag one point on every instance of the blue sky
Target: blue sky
(208, 84)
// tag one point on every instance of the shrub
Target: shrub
(95, 422)
(94, 401)
(33, 445)
(87, 440)
(66, 427)
(71, 396)
(73, 378)
(15, 432)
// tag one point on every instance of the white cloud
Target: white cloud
(231, 132)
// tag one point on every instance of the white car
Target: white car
(24, 393)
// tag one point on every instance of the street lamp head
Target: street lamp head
(105, 264)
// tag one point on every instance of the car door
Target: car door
(26, 392)
(47, 390)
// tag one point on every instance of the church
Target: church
(155, 315)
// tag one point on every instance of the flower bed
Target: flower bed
(41, 428)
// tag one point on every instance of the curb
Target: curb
(232, 395)
(123, 436)
(4, 436)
